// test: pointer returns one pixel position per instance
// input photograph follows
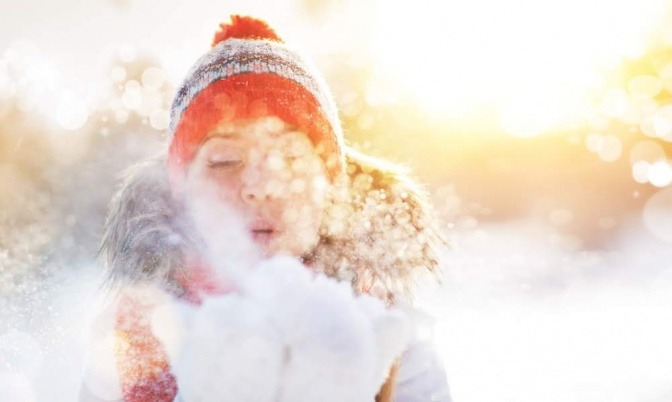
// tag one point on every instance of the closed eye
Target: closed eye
(224, 164)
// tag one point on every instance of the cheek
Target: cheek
(303, 213)
(305, 202)
(211, 200)
(201, 183)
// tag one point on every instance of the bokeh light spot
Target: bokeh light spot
(71, 112)
(610, 148)
(153, 77)
(640, 171)
(660, 174)
(159, 119)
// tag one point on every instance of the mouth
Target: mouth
(264, 235)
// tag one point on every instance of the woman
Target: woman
(256, 142)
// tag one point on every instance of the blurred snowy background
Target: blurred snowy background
(543, 130)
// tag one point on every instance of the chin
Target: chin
(290, 244)
(273, 250)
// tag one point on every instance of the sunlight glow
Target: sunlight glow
(657, 216)
(534, 63)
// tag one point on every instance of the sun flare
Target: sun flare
(536, 64)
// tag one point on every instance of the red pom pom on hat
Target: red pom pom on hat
(244, 27)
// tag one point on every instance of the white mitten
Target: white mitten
(340, 346)
(289, 336)
(229, 352)
(393, 331)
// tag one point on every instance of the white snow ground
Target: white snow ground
(521, 320)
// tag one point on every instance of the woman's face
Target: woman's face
(269, 176)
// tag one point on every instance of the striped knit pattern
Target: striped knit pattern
(244, 56)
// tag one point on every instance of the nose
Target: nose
(253, 194)
(258, 185)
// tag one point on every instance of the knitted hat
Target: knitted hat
(250, 73)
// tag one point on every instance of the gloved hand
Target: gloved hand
(287, 336)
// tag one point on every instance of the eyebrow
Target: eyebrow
(231, 135)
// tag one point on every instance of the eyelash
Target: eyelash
(234, 163)
(224, 164)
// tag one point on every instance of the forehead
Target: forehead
(268, 130)
(270, 125)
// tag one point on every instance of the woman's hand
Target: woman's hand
(287, 336)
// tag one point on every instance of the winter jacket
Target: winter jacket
(148, 243)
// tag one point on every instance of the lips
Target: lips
(263, 236)
(263, 232)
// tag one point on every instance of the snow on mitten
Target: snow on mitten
(229, 351)
(339, 346)
(393, 331)
(288, 336)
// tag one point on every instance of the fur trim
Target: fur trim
(384, 230)
(378, 232)
(145, 239)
